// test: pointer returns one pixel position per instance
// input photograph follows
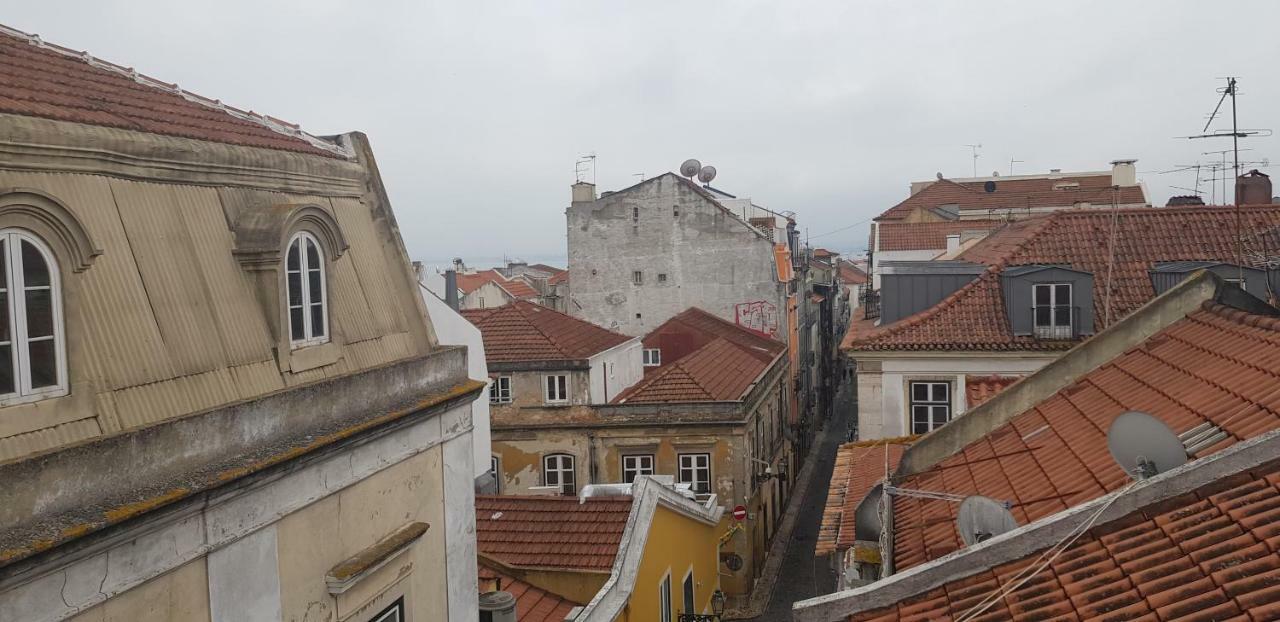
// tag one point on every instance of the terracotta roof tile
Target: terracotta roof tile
(851, 274)
(551, 532)
(56, 83)
(896, 236)
(859, 466)
(1199, 560)
(523, 332)
(470, 282)
(1218, 365)
(978, 389)
(1015, 194)
(533, 604)
(704, 358)
(973, 317)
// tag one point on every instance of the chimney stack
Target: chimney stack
(953, 242)
(1253, 188)
(1124, 173)
(497, 607)
(451, 289)
(584, 192)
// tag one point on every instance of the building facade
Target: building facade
(222, 398)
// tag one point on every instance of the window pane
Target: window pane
(4, 315)
(315, 286)
(919, 392)
(295, 324)
(44, 364)
(939, 415)
(940, 392)
(1042, 295)
(34, 271)
(313, 257)
(553, 478)
(295, 289)
(1063, 315)
(6, 369)
(1043, 314)
(292, 263)
(317, 320)
(564, 391)
(39, 313)
(1063, 294)
(4, 263)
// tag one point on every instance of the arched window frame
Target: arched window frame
(559, 469)
(310, 336)
(16, 317)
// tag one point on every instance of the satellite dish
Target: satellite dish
(1143, 445)
(690, 167)
(990, 186)
(939, 175)
(981, 518)
(706, 174)
(866, 518)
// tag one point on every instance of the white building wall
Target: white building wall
(616, 369)
(454, 330)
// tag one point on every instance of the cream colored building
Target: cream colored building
(221, 399)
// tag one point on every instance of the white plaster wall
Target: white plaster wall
(454, 330)
(244, 579)
(621, 365)
(887, 417)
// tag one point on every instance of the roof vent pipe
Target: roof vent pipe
(497, 607)
(451, 289)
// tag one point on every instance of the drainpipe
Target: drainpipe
(451, 289)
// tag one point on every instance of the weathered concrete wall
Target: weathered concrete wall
(615, 370)
(487, 296)
(710, 258)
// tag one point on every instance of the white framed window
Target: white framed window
(555, 389)
(637, 277)
(652, 357)
(500, 390)
(664, 598)
(33, 364)
(636, 464)
(481, 301)
(394, 613)
(695, 470)
(1052, 310)
(495, 469)
(557, 470)
(307, 291)
(930, 406)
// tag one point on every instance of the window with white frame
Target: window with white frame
(32, 349)
(636, 464)
(664, 598)
(637, 277)
(652, 357)
(394, 613)
(555, 389)
(500, 390)
(930, 406)
(695, 470)
(557, 470)
(1051, 310)
(307, 291)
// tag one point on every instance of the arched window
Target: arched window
(307, 291)
(32, 352)
(557, 470)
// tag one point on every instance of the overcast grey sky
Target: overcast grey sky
(478, 110)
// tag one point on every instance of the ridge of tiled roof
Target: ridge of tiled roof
(1015, 194)
(524, 332)
(972, 318)
(50, 81)
(551, 532)
(516, 288)
(859, 466)
(1217, 365)
(851, 274)
(533, 604)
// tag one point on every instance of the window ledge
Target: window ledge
(311, 357)
(351, 570)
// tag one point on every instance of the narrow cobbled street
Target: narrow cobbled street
(801, 576)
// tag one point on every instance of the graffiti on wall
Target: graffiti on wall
(760, 316)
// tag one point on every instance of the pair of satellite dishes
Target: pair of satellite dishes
(1140, 444)
(692, 167)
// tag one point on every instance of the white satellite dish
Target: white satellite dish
(981, 518)
(706, 174)
(1144, 446)
(690, 168)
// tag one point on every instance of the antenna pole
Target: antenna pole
(975, 149)
(1235, 148)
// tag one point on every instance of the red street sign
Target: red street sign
(740, 513)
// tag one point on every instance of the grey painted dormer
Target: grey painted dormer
(1048, 302)
(1166, 274)
(908, 287)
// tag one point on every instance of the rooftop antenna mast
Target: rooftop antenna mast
(1011, 163)
(580, 167)
(975, 149)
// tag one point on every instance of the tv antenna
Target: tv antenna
(1011, 163)
(580, 168)
(640, 175)
(975, 149)
(1144, 446)
(981, 518)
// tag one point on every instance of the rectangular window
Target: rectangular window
(500, 390)
(652, 357)
(495, 468)
(675, 211)
(688, 593)
(664, 599)
(639, 464)
(930, 406)
(637, 277)
(556, 390)
(558, 470)
(662, 277)
(1052, 310)
(695, 470)
(635, 214)
(394, 613)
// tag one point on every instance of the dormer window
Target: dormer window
(1052, 310)
(652, 357)
(32, 353)
(306, 291)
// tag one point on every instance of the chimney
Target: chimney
(451, 289)
(1124, 173)
(584, 192)
(953, 242)
(418, 268)
(497, 607)
(1253, 188)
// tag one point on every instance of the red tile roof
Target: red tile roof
(1211, 555)
(973, 317)
(919, 236)
(533, 604)
(978, 389)
(851, 274)
(1217, 365)
(1015, 194)
(523, 332)
(470, 282)
(860, 465)
(551, 532)
(57, 83)
(704, 358)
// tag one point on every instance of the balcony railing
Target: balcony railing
(870, 301)
(1055, 322)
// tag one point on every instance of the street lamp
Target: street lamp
(717, 610)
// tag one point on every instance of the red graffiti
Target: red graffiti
(759, 316)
